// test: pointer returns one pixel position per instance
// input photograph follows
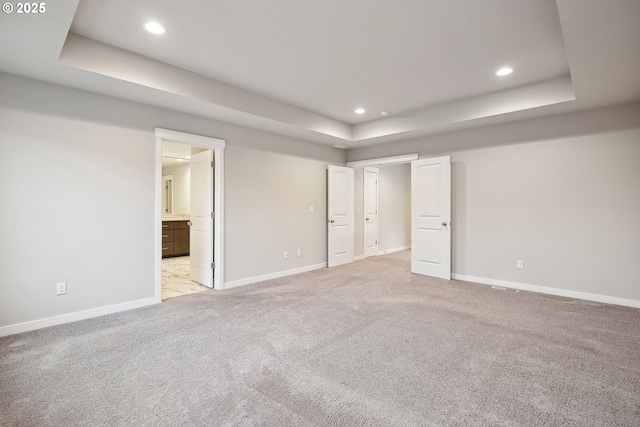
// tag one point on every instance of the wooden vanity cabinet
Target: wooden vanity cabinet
(181, 238)
(175, 238)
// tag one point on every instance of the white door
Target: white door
(201, 235)
(431, 217)
(370, 212)
(340, 217)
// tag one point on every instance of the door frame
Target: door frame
(217, 145)
(378, 162)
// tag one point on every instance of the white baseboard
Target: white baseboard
(72, 317)
(551, 291)
(390, 251)
(276, 275)
(100, 311)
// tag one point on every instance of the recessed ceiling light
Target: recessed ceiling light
(505, 71)
(360, 111)
(155, 28)
(384, 112)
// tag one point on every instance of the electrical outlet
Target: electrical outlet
(299, 252)
(520, 264)
(61, 288)
(286, 255)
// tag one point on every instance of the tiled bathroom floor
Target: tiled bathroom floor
(175, 278)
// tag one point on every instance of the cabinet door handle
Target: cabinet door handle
(165, 235)
(164, 249)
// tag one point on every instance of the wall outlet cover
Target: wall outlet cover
(61, 288)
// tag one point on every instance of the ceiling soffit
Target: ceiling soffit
(90, 55)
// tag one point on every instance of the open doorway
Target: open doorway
(383, 205)
(177, 204)
(189, 219)
(415, 205)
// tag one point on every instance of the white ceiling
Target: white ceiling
(301, 68)
(174, 154)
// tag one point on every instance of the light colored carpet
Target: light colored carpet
(366, 344)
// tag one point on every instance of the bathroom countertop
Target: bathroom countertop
(175, 218)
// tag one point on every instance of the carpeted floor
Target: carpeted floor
(366, 344)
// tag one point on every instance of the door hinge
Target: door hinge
(213, 265)
(213, 163)
(213, 215)
(376, 242)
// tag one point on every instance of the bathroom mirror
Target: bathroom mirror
(176, 178)
(167, 194)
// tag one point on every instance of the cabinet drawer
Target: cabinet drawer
(167, 236)
(167, 249)
(167, 225)
(180, 224)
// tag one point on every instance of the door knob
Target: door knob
(332, 221)
(444, 224)
(367, 219)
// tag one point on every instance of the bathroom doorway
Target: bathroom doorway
(189, 203)
(177, 263)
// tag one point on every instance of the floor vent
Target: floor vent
(500, 288)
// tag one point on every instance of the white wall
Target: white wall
(77, 206)
(564, 197)
(77, 200)
(181, 187)
(569, 208)
(268, 198)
